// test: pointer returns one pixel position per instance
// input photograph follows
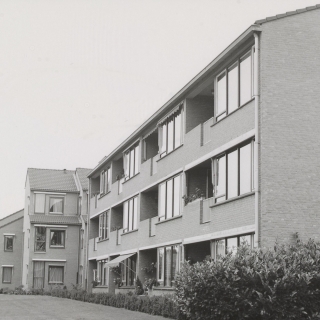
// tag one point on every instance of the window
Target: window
(40, 239)
(170, 133)
(128, 271)
(8, 243)
(168, 264)
(103, 225)
(234, 173)
(169, 198)
(7, 274)
(130, 215)
(39, 202)
(131, 162)
(234, 86)
(38, 274)
(105, 181)
(56, 275)
(56, 205)
(57, 238)
(222, 246)
(103, 273)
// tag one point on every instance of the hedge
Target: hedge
(278, 283)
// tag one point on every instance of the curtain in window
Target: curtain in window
(57, 238)
(39, 202)
(56, 275)
(38, 274)
(7, 274)
(8, 243)
(56, 205)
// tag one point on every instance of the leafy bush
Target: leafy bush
(138, 287)
(278, 283)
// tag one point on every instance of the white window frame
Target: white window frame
(35, 202)
(131, 165)
(104, 225)
(132, 217)
(35, 239)
(7, 267)
(6, 237)
(64, 239)
(63, 202)
(56, 266)
(236, 63)
(105, 181)
(179, 198)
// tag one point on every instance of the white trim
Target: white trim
(220, 234)
(123, 252)
(161, 244)
(55, 193)
(226, 146)
(99, 257)
(131, 145)
(50, 260)
(50, 226)
(7, 266)
(9, 234)
(102, 211)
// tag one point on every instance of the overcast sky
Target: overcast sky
(78, 76)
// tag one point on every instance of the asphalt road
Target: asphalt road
(14, 307)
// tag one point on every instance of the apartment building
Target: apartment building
(11, 246)
(231, 158)
(55, 218)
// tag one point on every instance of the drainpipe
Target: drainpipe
(257, 138)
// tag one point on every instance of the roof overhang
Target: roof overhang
(182, 94)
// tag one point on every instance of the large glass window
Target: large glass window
(169, 198)
(130, 215)
(38, 274)
(103, 273)
(234, 173)
(39, 202)
(56, 205)
(234, 86)
(105, 181)
(7, 274)
(40, 239)
(56, 274)
(170, 133)
(57, 238)
(128, 271)
(104, 225)
(8, 243)
(131, 160)
(231, 244)
(168, 264)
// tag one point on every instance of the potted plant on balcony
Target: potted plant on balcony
(148, 284)
(197, 194)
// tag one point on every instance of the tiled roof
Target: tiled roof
(52, 180)
(58, 219)
(290, 13)
(83, 173)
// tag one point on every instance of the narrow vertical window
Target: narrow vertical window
(222, 97)
(177, 130)
(125, 216)
(169, 198)
(221, 248)
(170, 135)
(39, 202)
(130, 215)
(7, 274)
(40, 239)
(132, 158)
(221, 179)
(168, 266)
(162, 201)
(131, 161)
(8, 243)
(233, 90)
(245, 169)
(176, 196)
(232, 174)
(245, 79)
(160, 264)
(136, 159)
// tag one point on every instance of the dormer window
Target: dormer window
(56, 205)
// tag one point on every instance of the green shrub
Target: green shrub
(139, 287)
(278, 283)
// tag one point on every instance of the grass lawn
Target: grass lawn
(14, 307)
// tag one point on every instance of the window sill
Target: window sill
(103, 195)
(56, 213)
(160, 158)
(163, 288)
(57, 247)
(101, 287)
(135, 230)
(38, 252)
(102, 240)
(233, 199)
(126, 287)
(8, 250)
(229, 114)
(130, 178)
(170, 219)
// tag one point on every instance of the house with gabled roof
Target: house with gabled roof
(54, 228)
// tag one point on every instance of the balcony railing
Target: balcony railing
(154, 164)
(120, 185)
(152, 230)
(205, 210)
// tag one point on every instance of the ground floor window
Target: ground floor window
(103, 273)
(56, 274)
(128, 271)
(222, 246)
(38, 274)
(168, 264)
(7, 274)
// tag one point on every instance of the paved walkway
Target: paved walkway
(14, 307)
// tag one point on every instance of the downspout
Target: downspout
(257, 138)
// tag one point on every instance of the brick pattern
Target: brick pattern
(290, 113)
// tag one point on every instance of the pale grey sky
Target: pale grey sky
(78, 76)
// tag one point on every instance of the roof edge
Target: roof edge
(179, 95)
(11, 214)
